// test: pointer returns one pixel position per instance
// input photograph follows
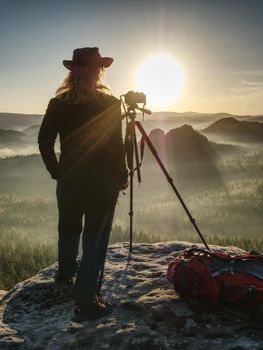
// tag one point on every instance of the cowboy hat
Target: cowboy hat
(87, 56)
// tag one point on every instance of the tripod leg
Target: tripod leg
(131, 207)
(170, 180)
(129, 146)
(132, 135)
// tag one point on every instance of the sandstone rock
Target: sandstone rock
(37, 314)
(2, 293)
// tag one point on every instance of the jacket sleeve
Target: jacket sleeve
(46, 139)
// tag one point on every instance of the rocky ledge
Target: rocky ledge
(37, 314)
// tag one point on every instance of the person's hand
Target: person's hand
(123, 180)
(124, 186)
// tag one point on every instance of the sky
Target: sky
(218, 44)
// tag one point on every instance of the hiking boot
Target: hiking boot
(63, 281)
(99, 297)
(91, 312)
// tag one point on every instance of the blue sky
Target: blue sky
(218, 43)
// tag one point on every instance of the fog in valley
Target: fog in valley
(216, 161)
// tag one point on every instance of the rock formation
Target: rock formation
(37, 313)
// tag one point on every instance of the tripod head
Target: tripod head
(130, 102)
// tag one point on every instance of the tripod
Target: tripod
(131, 151)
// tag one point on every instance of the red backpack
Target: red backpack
(214, 276)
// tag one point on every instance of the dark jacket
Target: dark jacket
(90, 140)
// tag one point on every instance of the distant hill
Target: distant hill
(11, 137)
(235, 130)
(23, 142)
(28, 124)
(256, 118)
(171, 120)
(187, 153)
(19, 121)
(202, 116)
(190, 158)
(13, 142)
(32, 133)
(32, 130)
(25, 176)
(188, 143)
(164, 120)
(183, 142)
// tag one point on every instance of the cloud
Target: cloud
(251, 83)
(249, 72)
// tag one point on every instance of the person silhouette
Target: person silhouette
(90, 172)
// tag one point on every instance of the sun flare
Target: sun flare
(161, 78)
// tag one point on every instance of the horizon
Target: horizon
(153, 112)
(216, 46)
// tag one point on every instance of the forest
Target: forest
(216, 163)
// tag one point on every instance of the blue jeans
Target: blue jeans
(94, 207)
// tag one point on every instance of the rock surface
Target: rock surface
(37, 314)
(2, 293)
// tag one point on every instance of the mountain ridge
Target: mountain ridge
(236, 130)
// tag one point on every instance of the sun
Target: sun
(161, 78)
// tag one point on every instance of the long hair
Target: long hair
(83, 84)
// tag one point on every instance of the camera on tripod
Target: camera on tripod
(132, 98)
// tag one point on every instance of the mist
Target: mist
(218, 174)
